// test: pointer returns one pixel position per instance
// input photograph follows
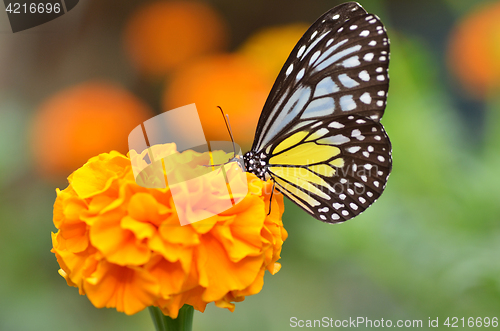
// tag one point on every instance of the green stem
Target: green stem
(183, 322)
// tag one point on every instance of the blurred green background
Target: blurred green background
(428, 248)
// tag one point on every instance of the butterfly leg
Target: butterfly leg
(271, 200)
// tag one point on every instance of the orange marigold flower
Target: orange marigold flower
(162, 35)
(81, 121)
(233, 78)
(122, 245)
(474, 50)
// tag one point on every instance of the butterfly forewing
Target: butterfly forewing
(338, 67)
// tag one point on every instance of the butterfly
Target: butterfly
(319, 136)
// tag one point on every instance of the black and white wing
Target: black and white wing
(339, 67)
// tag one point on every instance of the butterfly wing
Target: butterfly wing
(319, 136)
(338, 67)
(334, 168)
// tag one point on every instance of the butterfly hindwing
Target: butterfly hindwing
(338, 67)
(333, 169)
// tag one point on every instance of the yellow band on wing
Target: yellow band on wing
(298, 193)
(303, 178)
(294, 139)
(323, 169)
(305, 154)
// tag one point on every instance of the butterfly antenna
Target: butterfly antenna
(228, 126)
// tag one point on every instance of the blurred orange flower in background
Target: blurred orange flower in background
(122, 245)
(82, 121)
(474, 50)
(163, 35)
(270, 47)
(231, 81)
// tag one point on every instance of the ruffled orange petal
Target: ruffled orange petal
(118, 245)
(218, 274)
(130, 290)
(98, 173)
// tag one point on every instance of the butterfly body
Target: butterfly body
(319, 137)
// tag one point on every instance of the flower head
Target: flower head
(163, 35)
(474, 50)
(122, 245)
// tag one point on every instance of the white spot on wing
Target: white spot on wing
(301, 51)
(334, 140)
(289, 70)
(337, 205)
(314, 57)
(351, 62)
(363, 75)
(353, 149)
(319, 107)
(301, 73)
(366, 98)
(347, 103)
(336, 125)
(325, 86)
(364, 33)
(347, 81)
(368, 57)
